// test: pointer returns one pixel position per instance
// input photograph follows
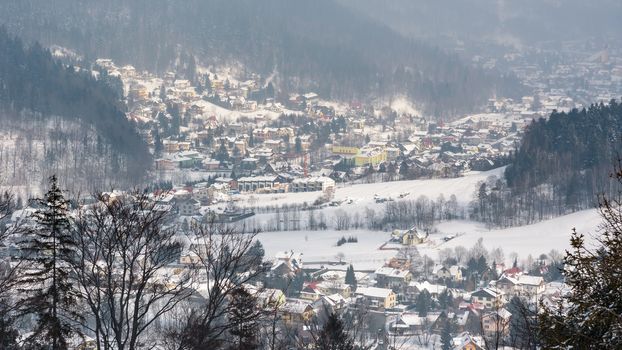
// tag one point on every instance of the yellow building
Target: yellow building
(370, 156)
(270, 298)
(296, 311)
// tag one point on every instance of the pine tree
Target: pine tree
(49, 251)
(588, 317)
(424, 301)
(222, 155)
(244, 319)
(251, 138)
(446, 338)
(157, 142)
(296, 284)
(445, 299)
(350, 277)
(255, 254)
(333, 335)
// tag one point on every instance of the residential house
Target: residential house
(335, 287)
(312, 184)
(388, 277)
(410, 237)
(453, 273)
(414, 288)
(521, 285)
(251, 184)
(187, 206)
(218, 192)
(327, 305)
(287, 263)
(466, 341)
(496, 322)
(211, 164)
(296, 311)
(200, 192)
(488, 297)
(410, 323)
(310, 292)
(380, 298)
(270, 298)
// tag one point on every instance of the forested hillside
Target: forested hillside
(312, 45)
(505, 22)
(52, 114)
(560, 167)
(569, 148)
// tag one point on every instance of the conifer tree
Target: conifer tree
(350, 277)
(333, 335)
(589, 316)
(424, 301)
(49, 291)
(445, 299)
(446, 338)
(244, 320)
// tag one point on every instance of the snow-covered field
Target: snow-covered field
(532, 239)
(321, 246)
(535, 239)
(363, 194)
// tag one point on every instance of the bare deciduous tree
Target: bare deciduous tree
(122, 269)
(223, 265)
(8, 332)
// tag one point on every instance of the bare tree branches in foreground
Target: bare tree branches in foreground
(223, 266)
(122, 269)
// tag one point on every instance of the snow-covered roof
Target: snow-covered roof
(374, 292)
(258, 179)
(487, 292)
(523, 280)
(392, 272)
(460, 342)
(432, 288)
(295, 306)
(413, 319)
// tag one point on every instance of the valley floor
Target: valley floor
(320, 248)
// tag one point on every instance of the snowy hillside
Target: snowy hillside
(531, 239)
(319, 247)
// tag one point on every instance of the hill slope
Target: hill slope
(506, 22)
(314, 45)
(562, 166)
(64, 110)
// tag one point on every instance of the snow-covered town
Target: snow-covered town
(315, 175)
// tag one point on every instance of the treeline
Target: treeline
(32, 81)
(312, 45)
(561, 166)
(423, 213)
